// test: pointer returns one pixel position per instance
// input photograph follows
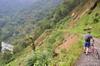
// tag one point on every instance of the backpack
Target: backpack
(88, 38)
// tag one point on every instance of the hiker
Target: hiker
(89, 41)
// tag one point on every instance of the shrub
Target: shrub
(6, 57)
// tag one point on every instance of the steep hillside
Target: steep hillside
(65, 37)
(20, 18)
(62, 45)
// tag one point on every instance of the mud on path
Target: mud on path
(89, 60)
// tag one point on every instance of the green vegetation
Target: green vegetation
(89, 20)
(68, 58)
(58, 23)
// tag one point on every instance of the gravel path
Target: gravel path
(89, 60)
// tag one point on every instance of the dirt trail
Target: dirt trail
(89, 60)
